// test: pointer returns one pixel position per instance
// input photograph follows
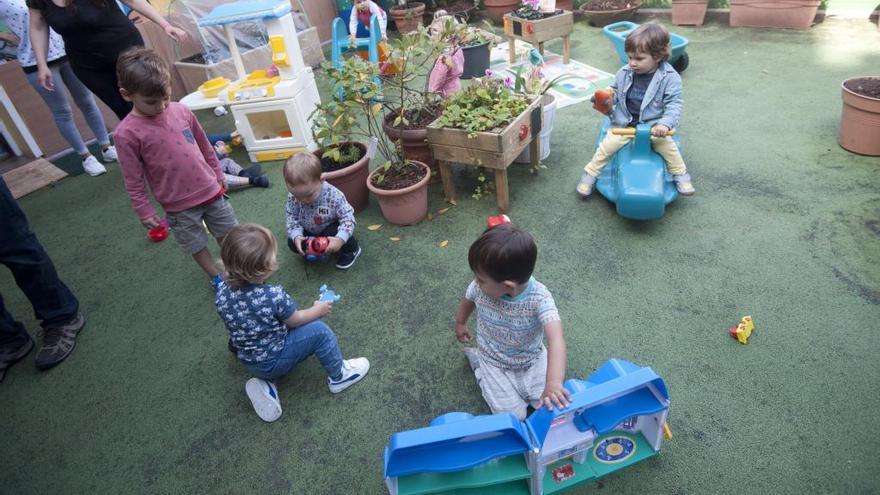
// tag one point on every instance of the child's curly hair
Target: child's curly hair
(504, 253)
(248, 254)
(650, 38)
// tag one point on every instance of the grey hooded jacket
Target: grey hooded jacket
(662, 103)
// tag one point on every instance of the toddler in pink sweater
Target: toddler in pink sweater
(161, 145)
(446, 73)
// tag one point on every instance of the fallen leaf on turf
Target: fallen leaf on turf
(375, 226)
(395, 239)
(442, 211)
(444, 243)
(430, 217)
(452, 202)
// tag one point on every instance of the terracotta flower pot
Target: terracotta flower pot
(497, 8)
(860, 119)
(689, 12)
(602, 18)
(407, 206)
(565, 5)
(351, 179)
(787, 14)
(414, 142)
(408, 17)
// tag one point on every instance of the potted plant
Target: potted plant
(476, 45)
(600, 13)
(497, 8)
(689, 12)
(787, 14)
(407, 15)
(337, 126)
(408, 106)
(860, 116)
(487, 125)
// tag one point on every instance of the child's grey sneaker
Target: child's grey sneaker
(585, 186)
(264, 397)
(683, 184)
(353, 370)
(58, 342)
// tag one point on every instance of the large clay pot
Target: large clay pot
(601, 18)
(788, 14)
(497, 8)
(860, 119)
(564, 4)
(408, 17)
(414, 142)
(689, 12)
(350, 180)
(406, 206)
(476, 60)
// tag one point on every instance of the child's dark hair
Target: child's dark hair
(650, 38)
(143, 72)
(504, 253)
(248, 253)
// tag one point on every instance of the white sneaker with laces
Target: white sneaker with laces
(109, 155)
(353, 370)
(93, 167)
(264, 397)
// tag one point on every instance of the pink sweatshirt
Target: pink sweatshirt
(445, 79)
(171, 154)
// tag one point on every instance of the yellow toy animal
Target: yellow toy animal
(742, 331)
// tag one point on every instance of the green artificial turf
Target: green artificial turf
(785, 227)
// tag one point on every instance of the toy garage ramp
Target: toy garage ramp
(461, 454)
(615, 420)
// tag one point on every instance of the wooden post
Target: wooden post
(541, 47)
(501, 189)
(535, 151)
(511, 45)
(446, 177)
(566, 49)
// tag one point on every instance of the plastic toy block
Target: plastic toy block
(325, 294)
(742, 331)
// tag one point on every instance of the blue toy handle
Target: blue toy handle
(619, 29)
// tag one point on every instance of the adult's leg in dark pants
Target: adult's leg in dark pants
(102, 81)
(31, 267)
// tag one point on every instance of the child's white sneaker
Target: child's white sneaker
(264, 397)
(93, 167)
(352, 372)
(683, 184)
(585, 186)
(109, 155)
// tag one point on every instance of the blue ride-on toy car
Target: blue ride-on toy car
(636, 179)
(618, 31)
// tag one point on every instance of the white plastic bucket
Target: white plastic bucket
(546, 129)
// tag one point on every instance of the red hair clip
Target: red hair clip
(497, 220)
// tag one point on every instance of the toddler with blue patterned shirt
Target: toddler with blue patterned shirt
(515, 313)
(267, 332)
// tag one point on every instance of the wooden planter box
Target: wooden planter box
(495, 150)
(538, 31)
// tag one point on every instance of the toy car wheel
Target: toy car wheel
(682, 63)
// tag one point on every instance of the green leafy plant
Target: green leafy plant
(368, 94)
(487, 104)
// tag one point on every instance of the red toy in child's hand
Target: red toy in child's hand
(603, 100)
(315, 248)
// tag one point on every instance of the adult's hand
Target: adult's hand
(44, 77)
(175, 33)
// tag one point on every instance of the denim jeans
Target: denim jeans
(350, 246)
(315, 338)
(59, 105)
(34, 274)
